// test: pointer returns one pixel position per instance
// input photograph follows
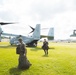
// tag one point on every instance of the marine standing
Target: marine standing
(45, 47)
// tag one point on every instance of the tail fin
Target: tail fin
(51, 34)
(36, 33)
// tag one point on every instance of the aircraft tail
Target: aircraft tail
(36, 33)
(51, 34)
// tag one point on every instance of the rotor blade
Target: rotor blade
(4, 23)
(32, 29)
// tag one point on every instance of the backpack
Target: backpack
(18, 50)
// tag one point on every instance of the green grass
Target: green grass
(60, 61)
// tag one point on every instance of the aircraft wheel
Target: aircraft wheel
(35, 44)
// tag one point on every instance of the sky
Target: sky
(60, 14)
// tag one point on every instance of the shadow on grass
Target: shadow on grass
(38, 48)
(45, 56)
(35, 49)
(6, 46)
(15, 71)
(51, 48)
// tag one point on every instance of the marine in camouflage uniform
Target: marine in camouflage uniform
(23, 61)
(45, 47)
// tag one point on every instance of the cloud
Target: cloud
(8, 16)
(45, 10)
(1, 2)
(38, 11)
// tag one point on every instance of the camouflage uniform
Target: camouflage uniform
(45, 47)
(23, 61)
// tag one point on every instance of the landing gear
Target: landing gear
(11, 44)
(32, 45)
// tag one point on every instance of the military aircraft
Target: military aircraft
(74, 34)
(28, 40)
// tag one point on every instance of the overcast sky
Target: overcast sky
(60, 14)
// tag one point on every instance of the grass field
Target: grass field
(61, 60)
